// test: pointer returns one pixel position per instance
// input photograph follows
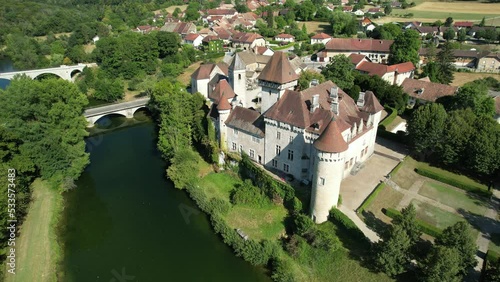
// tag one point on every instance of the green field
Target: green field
(37, 249)
(434, 215)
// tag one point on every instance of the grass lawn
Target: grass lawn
(434, 215)
(406, 175)
(387, 198)
(257, 222)
(462, 78)
(318, 265)
(451, 197)
(317, 27)
(37, 250)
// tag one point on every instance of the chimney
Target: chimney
(334, 93)
(313, 82)
(314, 103)
(361, 99)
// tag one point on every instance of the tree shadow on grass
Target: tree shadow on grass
(375, 224)
(480, 200)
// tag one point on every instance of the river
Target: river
(124, 220)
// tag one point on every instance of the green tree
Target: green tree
(168, 43)
(340, 70)
(183, 170)
(460, 237)
(386, 31)
(425, 129)
(306, 10)
(448, 22)
(482, 23)
(492, 273)
(449, 34)
(343, 23)
(431, 70)
(392, 254)
(444, 62)
(405, 48)
(442, 265)
(307, 76)
(475, 97)
(462, 35)
(109, 90)
(483, 151)
(456, 136)
(408, 221)
(388, 9)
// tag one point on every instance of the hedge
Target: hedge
(424, 226)
(371, 197)
(338, 218)
(453, 182)
(270, 186)
(491, 258)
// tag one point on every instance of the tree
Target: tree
(448, 22)
(492, 273)
(107, 89)
(482, 23)
(388, 9)
(183, 170)
(405, 48)
(444, 62)
(343, 23)
(459, 237)
(340, 70)
(449, 34)
(456, 136)
(408, 222)
(307, 76)
(483, 151)
(425, 128)
(392, 254)
(386, 31)
(168, 43)
(462, 35)
(442, 264)
(473, 96)
(306, 10)
(354, 92)
(431, 70)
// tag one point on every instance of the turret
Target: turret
(237, 78)
(328, 171)
(224, 109)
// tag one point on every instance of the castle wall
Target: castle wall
(238, 140)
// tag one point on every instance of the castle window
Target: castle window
(252, 154)
(239, 76)
(321, 181)
(286, 168)
(241, 149)
(366, 149)
(291, 139)
(278, 135)
(290, 155)
(275, 163)
(350, 161)
(278, 150)
(233, 146)
(346, 165)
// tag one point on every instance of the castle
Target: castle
(316, 135)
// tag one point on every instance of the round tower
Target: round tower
(224, 109)
(328, 171)
(237, 78)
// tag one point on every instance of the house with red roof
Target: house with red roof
(461, 25)
(424, 91)
(193, 39)
(247, 41)
(284, 37)
(320, 38)
(375, 49)
(393, 74)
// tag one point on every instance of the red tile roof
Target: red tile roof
(278, 69)
(358, 45)
(191, 36)
(356, 58)
(463, 24)
(321, 36)
(222, 89)
(244, 37)
(284, 35)
(223, 104)
(372, 105)
(428, 91)
(203, 72)
(220, 12)
(331, 140)
(402, 67)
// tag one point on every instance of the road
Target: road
(116, 107)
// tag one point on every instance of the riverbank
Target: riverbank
(37, 249)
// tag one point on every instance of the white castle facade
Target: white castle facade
(317, 135)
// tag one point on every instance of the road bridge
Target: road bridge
(64, 72)
(126, 109)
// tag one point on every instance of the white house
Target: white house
(375, 49)
(193, 39)
(320, 38)
(283, 37)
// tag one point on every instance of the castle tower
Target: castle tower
(224, 109)
(328, 171)
(368, 103)
(276, 77)
(237, 78)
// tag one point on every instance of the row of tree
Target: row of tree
(449, 259)
(42, 132)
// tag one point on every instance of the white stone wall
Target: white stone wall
(201, 86)
(326, 184)
(245, 142)
(375, 57)
(402, 76)
(237, 80)
(223, 115)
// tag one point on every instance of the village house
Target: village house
(373, 11)
(376, 50)
(359, 13)
(193, 39)
(180, 28)
(473, 30)
(461, 25)
(317, 135)
(489, 62)
(320, 38)
(247, 41)
(284, 37)
(347, 9)
(204, 79)
(263, 50)
(144, 29)
(424, 91)
(393, 74)
(426, 30)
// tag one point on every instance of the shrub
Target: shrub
(424, 226)
(302, 224)
(247, 194)
(296, 205)
(371, 197)
(321, 239)
(338, 218)
(217, 205)
(282, 271)
(478, 189)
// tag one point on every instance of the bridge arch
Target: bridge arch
(74, 73)
(47, 75)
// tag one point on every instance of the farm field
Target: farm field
(462, 78)
(317, 27)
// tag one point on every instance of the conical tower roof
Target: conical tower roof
(331, 140)
(223, 104)
(278, 69)
(237, 63)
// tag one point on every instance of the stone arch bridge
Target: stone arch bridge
(64, 72)
(126, 109)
